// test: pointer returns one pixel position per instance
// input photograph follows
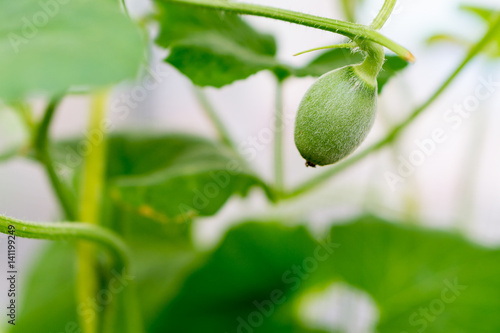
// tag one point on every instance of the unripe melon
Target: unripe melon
(335, 115)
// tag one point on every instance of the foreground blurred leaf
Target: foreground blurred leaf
(246, 284)
(49, 46)
(49, 301)
(211, 48)
(340, 57)
(421, 279)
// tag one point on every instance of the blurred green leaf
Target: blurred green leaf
(212, 48)
(167, 178)
(49, 303)
(49, 298)
(486, 14)
(48, 47)
(492, 50)
(246, 285)
(340, 57)
(172, 178)
(421, 279)
(392, 66)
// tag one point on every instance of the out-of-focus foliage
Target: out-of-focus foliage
(246, 284)
(487, 15)
(50, 302)
(420, 279)
(49, 47)
(256, 277)
(213, 48)
(167, 178)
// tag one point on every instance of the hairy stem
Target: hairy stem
(278, 139)
(351, 30)
(394, 134)
(41, 145)
(71, 231)
(336, 46)
(384, 14)
(89, 212)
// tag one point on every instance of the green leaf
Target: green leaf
(212, 48)
(172, 178)
(392, 66)
(409, 271)
(48, 47)
(246, 284)
(49, 302)
(340, 57)
(164, 177)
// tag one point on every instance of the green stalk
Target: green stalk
(278, 139)
(70, 231)
(349, 7)
(383, 15)
(10, 153)
(336, 46)
(394, 134)
(41, 145)
(90, 209)
(223, 133)
(352, 30)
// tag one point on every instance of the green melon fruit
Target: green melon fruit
(337, 112)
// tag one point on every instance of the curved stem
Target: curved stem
(351, 30)
(278, 139)
(336, 46)
(69, 231)
(372, 65)
(124, 7)
(41, 145)
(211, 113)
(384, 14)
(396, 131)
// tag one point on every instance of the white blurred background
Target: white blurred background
(458, 186)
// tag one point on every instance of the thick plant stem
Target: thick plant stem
(41, 145)
(394, 134)
(352, 30)
(384, 14)
(211, 113)
(278, 139)
(89, 212)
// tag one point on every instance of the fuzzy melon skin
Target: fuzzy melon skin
(335, 116)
